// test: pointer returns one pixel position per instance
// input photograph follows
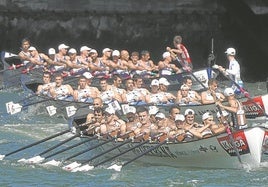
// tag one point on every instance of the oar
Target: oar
(38, 158)
(33, 144)
(246, 94)
(121, 153)
(14, 108)
(75, 164)
(230, 135)
(187, 69)
(12, 67)
(69, 148)
(119, 167)
(85, 167)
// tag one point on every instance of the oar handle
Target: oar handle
(70, 147)
(59, 144)
(38, 142)
(121, 153)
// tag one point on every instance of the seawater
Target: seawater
(29, 126)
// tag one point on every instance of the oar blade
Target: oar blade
(52, 163)
(71, 166)
(36, 160)
(52, 110)
(115, 167)
(70, 110)
(83, 168)
(2, 157)
(13, 108)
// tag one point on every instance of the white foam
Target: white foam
(52, 163)
(71, 166)
(115, 167)
(36, 159)
(83, 168)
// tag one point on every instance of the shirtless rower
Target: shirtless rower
(112, 122)
(61, 91)
(146, 126)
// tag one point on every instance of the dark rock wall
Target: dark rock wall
(122, 24)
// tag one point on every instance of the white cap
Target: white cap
(51, 51)
(85, 48)
(228, 92)
(116, 53)
(189, 111)
(110, 110)
(63, 46)
(165, 55)
(88, 75)
(164, 81)
(153, 110)
(72, 51)
(184, 87)
(93, 51)
(206, 116)
(224, 113)
(32, 48)
(230, 51)
(106, 50)
(155, 82)
(179, 117)
(160, 115)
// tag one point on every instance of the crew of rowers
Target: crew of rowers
(69, 62)
(142, 120)
(150, 121)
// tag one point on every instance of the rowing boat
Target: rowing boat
(13, 69)
(213, 152)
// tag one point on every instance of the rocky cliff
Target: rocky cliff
(121, 24)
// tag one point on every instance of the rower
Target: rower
(132, 96)
(181, 52)
(209, 96)
(163, 87)
(155, 96)
(187, 80)
(61, 91)
(24, 54)
(112, 122)
(107, 94)
(235, 107)
(165, 67)
(185, 98)
(84, 93)
(146, 126)
(44, 89)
